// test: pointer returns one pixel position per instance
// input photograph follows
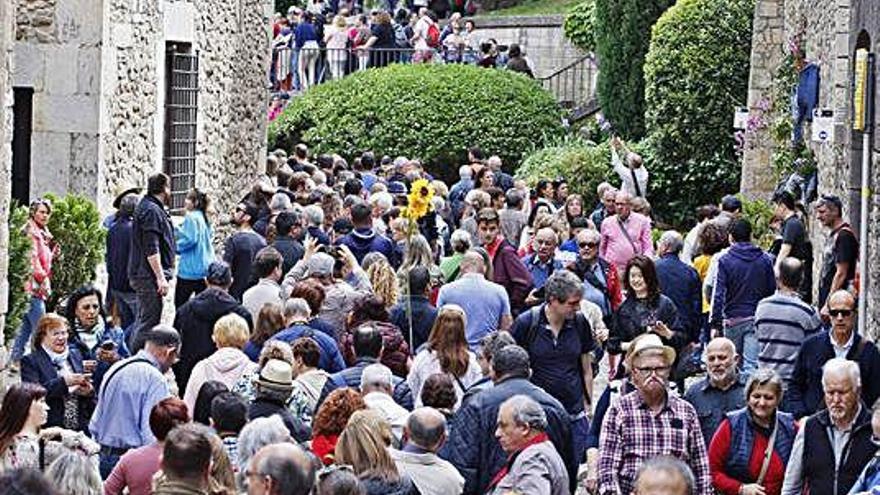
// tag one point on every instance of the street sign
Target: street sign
(822, 129)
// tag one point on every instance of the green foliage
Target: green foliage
(579, 25)
(19, 270)
(694, 78)
(533, 7)
(759, 213)
(582, 163)
(431, 112)
(622, 30)
(282, 5)
(76, 226)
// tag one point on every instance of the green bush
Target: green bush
(759, 213)
(694, 78)
(582, 163)
(622, 30)
(19, 270)
(579, 25)
(76, 225)
(431, 112)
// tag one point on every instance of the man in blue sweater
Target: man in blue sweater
(744, 277)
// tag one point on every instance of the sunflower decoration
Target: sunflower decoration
(419, 200)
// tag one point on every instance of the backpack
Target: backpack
(433, 36)
(401, 40)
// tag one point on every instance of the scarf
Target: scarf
(90, 336)
(58, 359)
(541, 437)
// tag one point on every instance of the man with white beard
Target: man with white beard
(722, 390)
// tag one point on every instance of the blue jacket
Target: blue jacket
(37, 367)
(365, 240)
(194, 246)
(472, 447)
(745, 276)
(423, 316)
(805, 395)
(116, 254)
(330, 360)
(742, 441)
(681, 283)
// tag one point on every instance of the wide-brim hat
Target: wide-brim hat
(649, 342)
(276, 374)
(123, 191)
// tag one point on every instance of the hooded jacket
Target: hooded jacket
(745, 276)
(226, 365)
(363, 240)
(195, 322)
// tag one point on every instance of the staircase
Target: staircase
(574, 87)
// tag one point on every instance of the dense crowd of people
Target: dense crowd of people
(369, 329)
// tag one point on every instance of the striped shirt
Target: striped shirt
(782, 323)
(632, 434)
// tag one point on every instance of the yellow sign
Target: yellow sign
(860, 92)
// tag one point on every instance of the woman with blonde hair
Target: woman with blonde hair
(227, 364)
(335, 37)
(418, 253)
(446, 352)
(384, 280)
(363, 445)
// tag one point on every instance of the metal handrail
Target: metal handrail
(568, 67)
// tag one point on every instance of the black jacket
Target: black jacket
(351, 377)
(37, 367)
(263, 408)
(291, 251)
(151, 233)
(819, 473)
(195, 322)
(633, 317)
(805, 394)
(472, 447)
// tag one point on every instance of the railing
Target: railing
(575, 84)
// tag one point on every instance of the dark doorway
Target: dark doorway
(22, 108)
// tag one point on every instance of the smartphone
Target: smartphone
(108, 346)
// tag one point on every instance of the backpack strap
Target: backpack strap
(534, 323)
(117, 370)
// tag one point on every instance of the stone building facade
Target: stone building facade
(124, 88)
(7, 16)
(831, 31)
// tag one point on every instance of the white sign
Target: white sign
(823, 126)
(740, 118)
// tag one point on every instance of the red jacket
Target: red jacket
(509, 272)
(726, 485)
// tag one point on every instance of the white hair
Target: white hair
(465, 172)
(255, 435)
(460, 240)
(842, 367)
(672, 240)
(376, 375)
(382, 200)
(319, 177)
(525, 411)
(74, 473)
(296, 306)
(280, 202)
(314, 215)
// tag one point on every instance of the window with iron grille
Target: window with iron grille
(181, 106)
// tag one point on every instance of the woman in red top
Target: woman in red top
(738, 451)
(331, 419)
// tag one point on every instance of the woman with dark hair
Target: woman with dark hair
(446, 352)
(314, 294)
(270, 320)
(485, 179)
(338, 480)
(331, 418)
(201, 413)
(194, 246)
(644, 310)
(38, 286)
(136, 468)
(60, 369)
(381, 44)
(395, 351)
(572, 208)
(90, 333)
(22, 416)
(439, 392)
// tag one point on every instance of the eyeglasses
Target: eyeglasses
(656, 370)
(846, 313)
(588, 244)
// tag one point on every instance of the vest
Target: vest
(742, 441)
(818, 466)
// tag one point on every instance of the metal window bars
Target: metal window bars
(181, 108)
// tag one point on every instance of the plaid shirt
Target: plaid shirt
(632, 434)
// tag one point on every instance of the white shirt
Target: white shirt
(842, 351)
(626, 176)
(388, 409)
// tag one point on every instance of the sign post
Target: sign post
(863, 116)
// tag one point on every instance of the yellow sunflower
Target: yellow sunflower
(419, 200)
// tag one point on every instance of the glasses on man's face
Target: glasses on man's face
(653, 370)
(591, 245)
(846, 313)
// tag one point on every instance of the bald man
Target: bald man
(842, 341)
(424, 434)
(723, 388)
(485, 303)
(280, 469)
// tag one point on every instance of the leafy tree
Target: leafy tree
(19, 269)
(622, 30)
(579, 27)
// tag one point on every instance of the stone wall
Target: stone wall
(7, 18)
(541, 38)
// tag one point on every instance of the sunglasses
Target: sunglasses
(840, 312)
(587, 244)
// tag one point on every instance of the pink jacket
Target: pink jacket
(226, 365)
(41, 261)
(616, 248)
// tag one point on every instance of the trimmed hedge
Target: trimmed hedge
(431, 112)
(19, 270)
(622, 30)
(694, 78)
(578, 25)
(582, 163)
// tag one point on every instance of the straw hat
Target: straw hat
(122, 191)
(276, 374)
(646, 342)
